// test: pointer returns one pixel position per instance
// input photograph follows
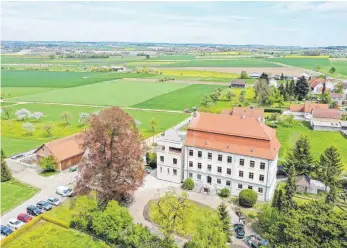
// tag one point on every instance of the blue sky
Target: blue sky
(267, 23)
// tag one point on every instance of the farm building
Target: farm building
(66, 151)
(304, 111)
(245, 112)
(327, 120)
(238, 83)
(118, 68)
(304, 184)
(254, 75)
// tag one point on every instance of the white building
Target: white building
(222, 151)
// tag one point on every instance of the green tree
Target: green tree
(48, 128)
(265, 76)
(66, 117)
(276, 98)
(290, 190)
(243, 75)
(248, 198)
(282, 76)
(332, 70)
(300, 157)
(326, 97)
(229, 95)
(324, 88)
(7, 112)
(339, 88)
(48, 163)
(262, 92)
(283, 91)
(301, 88)
(153, 123)
(225, 219)
(205, 101)
(292, 88)
(188, 184)
(6, 174)
(329, 169)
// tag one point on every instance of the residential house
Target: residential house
(254, 75)
(273, 82)
(337, 97)
(238, 83)
(222, 151)
(304, 111)
(306, 75)
(316, 85)
(246, 112)
(304, 184)
(327, 120)
(67, 151)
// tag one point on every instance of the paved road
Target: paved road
(47, 186)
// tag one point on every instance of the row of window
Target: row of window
(174, 160)
(174, 171)
(229, 159)
(227, 182)
(251, 176)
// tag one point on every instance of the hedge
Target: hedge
(273, 110)
(248, 198)
(188, 184)
(55, 221)
(20, 231)
(224, 192)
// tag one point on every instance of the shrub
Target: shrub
(55, 221)
(248, 198)
(188, 184)
(273, 110)
(224, 193)
(6, 174)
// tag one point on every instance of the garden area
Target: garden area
(13, 193)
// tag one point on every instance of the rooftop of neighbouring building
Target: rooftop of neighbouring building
(307, 107)
(172, 136)
(238, 82)
(235, 134)
(326, 113)
(315, 81)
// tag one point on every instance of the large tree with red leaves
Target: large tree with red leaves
(112, 165)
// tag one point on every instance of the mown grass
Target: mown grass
(179, 99)
(13, 193)
(13, 146)
(310, 63)
(9, 92)
(62, 212)
(319, 140)
(120, 93)
(45, 234)
(55, 79)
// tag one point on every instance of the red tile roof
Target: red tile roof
(248, 112)
(307, 107)
(234, 134)
(326, 113)
(315, 81)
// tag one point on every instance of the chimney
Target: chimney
(243, 116)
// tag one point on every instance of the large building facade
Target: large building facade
(223, 151)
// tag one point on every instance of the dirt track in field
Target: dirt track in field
(293, 71)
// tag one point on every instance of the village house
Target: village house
(273, 82)
(221, 151)
(304, 111)
(317, 85)
(327, 120)
(337, 97)
(238, 83)
(254, 75)
(304, 184)
(66, 151)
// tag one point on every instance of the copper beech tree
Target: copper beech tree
(112, 166)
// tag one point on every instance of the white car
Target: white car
(64, 191)
(54, 201)
(15, 224)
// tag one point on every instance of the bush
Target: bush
(273, 110)
(248, 198)
(224, 193)
(188, 184)
(55, 221)
(151, 159)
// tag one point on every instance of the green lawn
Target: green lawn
(13, 193)
(56, 79)
(8, 92)
(319, 140)
(340, 65)
(62, 212)
(223, 63)
(45, 234)
(179, 99)
(120, 93)
(13, 146)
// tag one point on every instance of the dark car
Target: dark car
(24, 217)
(33, 210)
(44, 205)
(5, 230)
(239, 230)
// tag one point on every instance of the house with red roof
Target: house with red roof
(317, 84)
(327, 120)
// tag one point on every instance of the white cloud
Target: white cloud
(310, 6)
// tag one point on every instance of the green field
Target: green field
(62, 212)
(179, 99)
(223, 63)
(309, 63)
(340, 65)
(319, 140)
(121, 93)
(16, 140)
(55, 79)
(13, 193)
(9, 92)
(45, 234)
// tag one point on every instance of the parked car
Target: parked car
(5, 230)
(15, 224)
(64, 191)
(53, 201)
(187, 111)
(33, 210)
(44, 205)
(239, 231)
(24, 217)
(255, 241)
(73, 168)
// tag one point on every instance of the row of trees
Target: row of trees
(327, 168)
(6, 174)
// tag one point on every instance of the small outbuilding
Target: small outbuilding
(304, 184)
(238, 83)
(67, 151)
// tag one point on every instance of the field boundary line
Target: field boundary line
(95, 106)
